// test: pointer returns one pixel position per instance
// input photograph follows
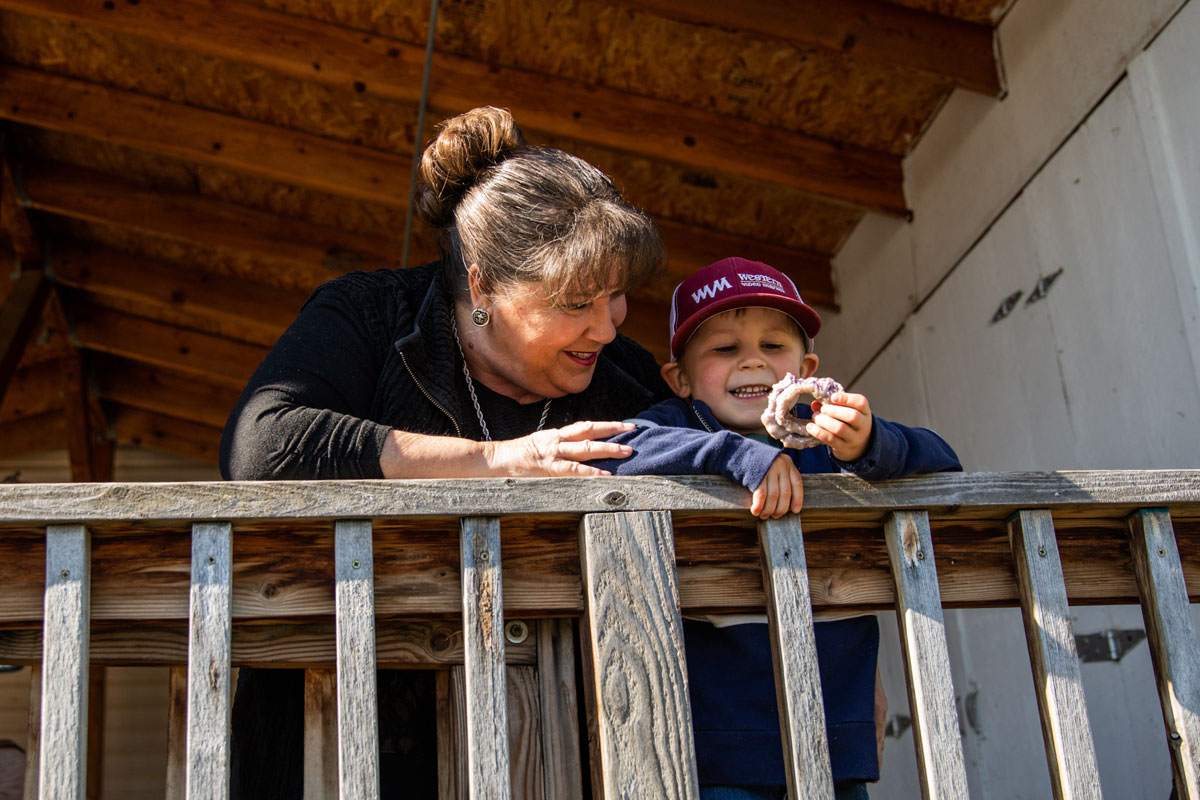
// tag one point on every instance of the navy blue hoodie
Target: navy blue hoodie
(730, 675)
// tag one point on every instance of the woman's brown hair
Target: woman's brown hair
(529, 214)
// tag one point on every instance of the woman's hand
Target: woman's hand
(559, 452)
(781, 490)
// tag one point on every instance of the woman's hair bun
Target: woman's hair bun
(465, 146)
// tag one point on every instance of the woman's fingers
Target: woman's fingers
(578, 431)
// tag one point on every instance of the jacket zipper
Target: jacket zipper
(703, 421)
(436, 404)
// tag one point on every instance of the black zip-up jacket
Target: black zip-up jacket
(373, 351)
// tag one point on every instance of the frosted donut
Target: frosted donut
(779, 419)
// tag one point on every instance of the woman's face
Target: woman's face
(534, 349)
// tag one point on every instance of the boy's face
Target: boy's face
(732, 361)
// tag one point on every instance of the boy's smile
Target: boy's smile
(734, 358)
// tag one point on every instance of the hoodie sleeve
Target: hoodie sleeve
(897, 451)
(663, 446)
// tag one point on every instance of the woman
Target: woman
(501, 359)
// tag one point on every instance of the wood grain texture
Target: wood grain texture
(1111, 494)
(448, 749)
(559, 707)
(412, 645)
(1172, 639)
(320, 735)
(1070, 752)
(357, 707)
(483, 649)
(526, 761)
(926, 659)
(62, 763)
(635, 633)
(33, 736)
(952, 49)
(794, 651)
(177, 701)
(209, 661)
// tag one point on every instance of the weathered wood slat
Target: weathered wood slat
(357, 706)
(1056, 675)
(558, 702)
(1173, 645)
(208, 661)
(635, 634)
(525, 764)
(423, 645)
(452, 733)
(926, 658)
(33, 735)
(794, 650)
(483, 646)
(177, 701)
(62, 763)
(981, 495)
(320, 735)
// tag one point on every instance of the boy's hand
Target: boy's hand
(844, 423)
(780, 491)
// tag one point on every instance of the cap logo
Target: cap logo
(710, 291)
(765, 281)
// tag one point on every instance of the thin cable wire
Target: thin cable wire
(420, 135)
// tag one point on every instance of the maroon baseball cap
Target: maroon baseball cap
(735, 283)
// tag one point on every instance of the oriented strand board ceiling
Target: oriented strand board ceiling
(186, 172)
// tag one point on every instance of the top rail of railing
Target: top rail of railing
(979, 495)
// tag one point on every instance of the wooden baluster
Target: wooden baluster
(559, 707)
(926, 659)
(208, 661)
(483, 657)
(452, 733)
(320, 735)
(32, 746)
(357, 707)
(794, 649)
(177, 701)
(62, 763)
(1065, 730)
(524, 733)
(635, 644)
(1172, 639)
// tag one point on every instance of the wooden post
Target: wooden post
(926, 658)
(358, 715)
(794, 650)
(62, 768)
(1065, 730)
(483, 655)
(559, 706)
(33, 739)
(1172, 639)
(635, 638)
(320, 735)
(524, 733)
(209, 662)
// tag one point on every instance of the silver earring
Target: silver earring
(480, 317)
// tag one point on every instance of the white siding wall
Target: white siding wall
(1102, 373)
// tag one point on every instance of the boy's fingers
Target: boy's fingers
(851, 400)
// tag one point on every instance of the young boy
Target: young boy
(738, 327)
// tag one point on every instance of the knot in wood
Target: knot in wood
(439, 642)
(615, 499)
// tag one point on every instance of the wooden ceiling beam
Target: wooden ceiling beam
(90, 447)
(387, 68)
(32, 391)
(886, 33)
(264, 311)
(167, 434)
(323, 251)
(19, 318)
(29, 434)
(30, 97)
(218, 360)
(163, 391)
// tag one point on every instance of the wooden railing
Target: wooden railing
(342, 577)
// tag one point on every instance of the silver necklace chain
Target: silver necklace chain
(471, 388)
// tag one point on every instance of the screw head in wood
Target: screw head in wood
(516, 631)
(615, 499)
(1042, 552)
(484, 555)
(356, 563)
(66, 573)
(1162, 552)
(920, 555)
(212, 559)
